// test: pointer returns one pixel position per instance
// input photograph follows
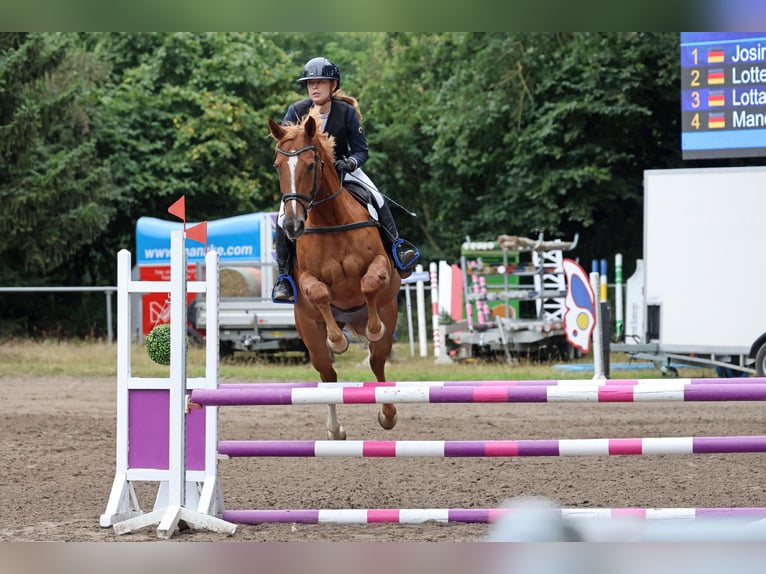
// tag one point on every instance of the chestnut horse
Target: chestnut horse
(342, 273)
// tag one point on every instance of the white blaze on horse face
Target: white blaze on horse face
(292, 163)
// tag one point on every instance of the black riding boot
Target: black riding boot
(283, 287)
(404, 254)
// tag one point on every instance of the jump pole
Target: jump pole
(619, 313)
(667, 384)
(704, 389)
(493, 448)
(418, 278)
(272, 395)
(420, 297)
(597, 335)
(173, 505)
(480, 515)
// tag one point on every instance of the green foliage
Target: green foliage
(600, 114)
(480, 134)
(400, 81)
(187, 116)
(490, 133)
(55, 191)
(550, 132)
(158, 344)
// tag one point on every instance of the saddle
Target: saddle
(359, 192)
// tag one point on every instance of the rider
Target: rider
(341, 118)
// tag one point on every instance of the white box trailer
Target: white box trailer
(703, 299)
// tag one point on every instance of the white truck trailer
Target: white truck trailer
(699, 295)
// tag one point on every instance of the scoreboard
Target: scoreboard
(723, 94)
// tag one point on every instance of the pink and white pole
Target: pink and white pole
(432, 268)
(493, 448)
(479, 515)
(420, 295)
(439, 335)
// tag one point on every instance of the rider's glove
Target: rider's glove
(346, 164)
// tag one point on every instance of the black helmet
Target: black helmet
(320, 69)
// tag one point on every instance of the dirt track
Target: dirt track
(57, 444)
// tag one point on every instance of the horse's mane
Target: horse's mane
(325, 140)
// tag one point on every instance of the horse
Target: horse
(343, 275)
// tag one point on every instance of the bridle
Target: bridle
(309, 201)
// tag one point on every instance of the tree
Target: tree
(564, 128)
(490, 133)
(55, 191)
(605, 109)
(186, 115)
(478, 133)
(400, 82)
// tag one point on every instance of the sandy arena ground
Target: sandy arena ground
(57, 446)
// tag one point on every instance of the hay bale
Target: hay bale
(239, 282)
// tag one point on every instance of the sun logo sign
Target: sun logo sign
(580, 302)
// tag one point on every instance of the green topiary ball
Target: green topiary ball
(158, 344)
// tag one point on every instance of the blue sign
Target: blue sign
(723, 94)
(237, 239)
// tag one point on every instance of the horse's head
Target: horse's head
(301, 158)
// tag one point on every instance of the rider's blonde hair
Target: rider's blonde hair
(344, 97)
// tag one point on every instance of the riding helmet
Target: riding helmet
(320, 69)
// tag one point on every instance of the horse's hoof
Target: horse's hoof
(342, 346)
(340, 435)
(387, 423)
(374, 338)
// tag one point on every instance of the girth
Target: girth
(362, 195)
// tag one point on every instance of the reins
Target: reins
(309, 201)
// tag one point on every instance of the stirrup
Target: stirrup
(395, 256)
(292, 286)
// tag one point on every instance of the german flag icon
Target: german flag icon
(715, 76)
(715, 56)
(716, 98)
(716, 121)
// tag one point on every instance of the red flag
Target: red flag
(198, 233)
(179, 208)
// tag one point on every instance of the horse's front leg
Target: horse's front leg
(314, 335)
(319, 295)
(335, 430)
(375, 282)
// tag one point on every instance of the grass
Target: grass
(98, 359)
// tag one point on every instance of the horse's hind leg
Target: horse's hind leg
(376, 279)
(379, 353)
(387, 416)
